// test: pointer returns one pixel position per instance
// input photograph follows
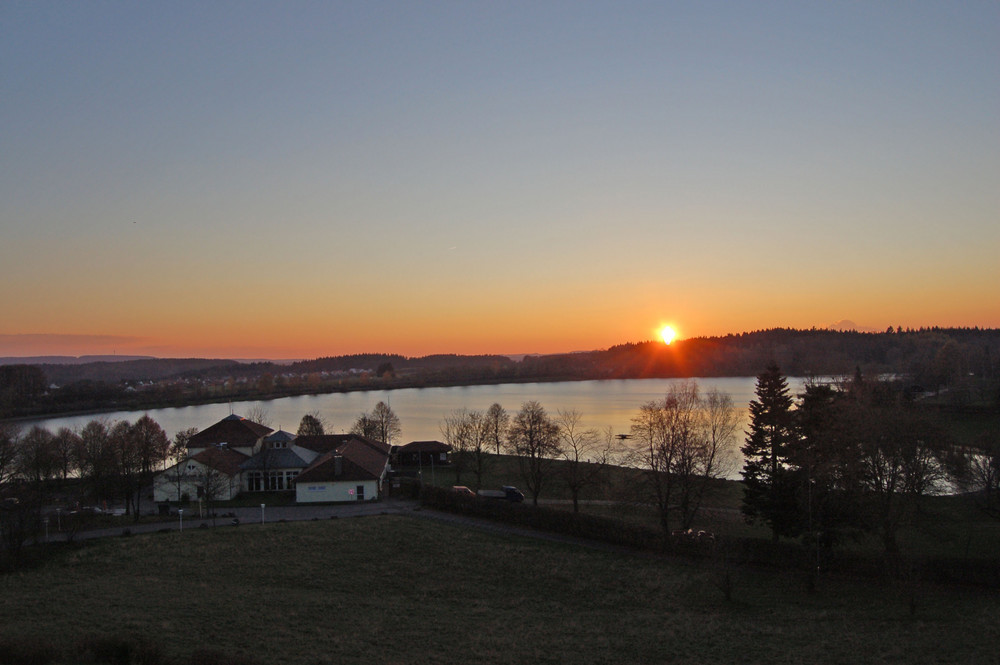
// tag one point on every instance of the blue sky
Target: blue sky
(318, 178)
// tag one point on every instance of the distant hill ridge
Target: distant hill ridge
(68, 360)
(927, 351)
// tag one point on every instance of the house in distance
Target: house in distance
(237, 455)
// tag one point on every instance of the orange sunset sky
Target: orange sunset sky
(271, 180)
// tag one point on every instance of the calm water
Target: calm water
(421, 410)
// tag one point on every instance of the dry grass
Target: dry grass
(402, 590)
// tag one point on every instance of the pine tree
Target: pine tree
(769, 492)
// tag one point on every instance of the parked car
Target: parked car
(463, 490)
(506, 493)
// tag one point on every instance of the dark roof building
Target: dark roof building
(357, 458)
(232, 432)
(417, 453)
(292, 457)
(279, 439)
(223, 460)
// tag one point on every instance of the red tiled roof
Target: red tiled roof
(232, 430)
(225, 460)
(361, 459)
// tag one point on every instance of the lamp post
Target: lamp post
(180, 515)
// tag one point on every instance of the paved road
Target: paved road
(391, 506)
(191, 520)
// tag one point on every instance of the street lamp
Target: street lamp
(180, 514)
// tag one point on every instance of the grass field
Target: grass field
(945, 526)
(392, 589)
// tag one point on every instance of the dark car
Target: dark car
(513, 494)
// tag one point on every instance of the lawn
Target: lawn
(944, 526)
(391, 589)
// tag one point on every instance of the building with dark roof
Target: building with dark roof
(233, 432)
(353, 471)
(251, 457)
(212, 473)
(275, 469)
(421, 453)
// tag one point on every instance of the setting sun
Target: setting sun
(667, 334)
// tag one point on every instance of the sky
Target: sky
(301, 179)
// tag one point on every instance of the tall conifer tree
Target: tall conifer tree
(768, 492)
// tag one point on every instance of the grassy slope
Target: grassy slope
(403, 590)
(946, 525)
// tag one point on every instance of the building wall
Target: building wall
(165, 484)
(334, 491)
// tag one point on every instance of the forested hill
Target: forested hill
(930, 358)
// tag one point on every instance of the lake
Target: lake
(421, 411)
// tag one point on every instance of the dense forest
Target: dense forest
(962, 360)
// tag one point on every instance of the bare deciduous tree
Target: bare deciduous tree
(980, 476)
(95, 458)
(258, 413)
(382, 424)
(152, 449)
(900, 460)
(66, 441)
(497, 424)
(683, 442)
(212, 484)
(585, 453)
(534, 438)
(467, 433)
(10, 437)
(456, 432)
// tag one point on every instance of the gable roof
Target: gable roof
(360, 459)
(425, 447)
(224, 460)
(292, 457)
(323, 443)
(280, 436)
(234, 431)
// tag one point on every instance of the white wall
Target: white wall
(165, 483)
(334, 491)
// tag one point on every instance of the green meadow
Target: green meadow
(401, 589)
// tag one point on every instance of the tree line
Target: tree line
(858, 456)
(966, 361)
(677, 446)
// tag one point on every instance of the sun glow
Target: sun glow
(667, 334)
